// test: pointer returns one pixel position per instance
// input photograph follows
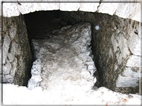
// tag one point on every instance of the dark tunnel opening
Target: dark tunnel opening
(41, 24)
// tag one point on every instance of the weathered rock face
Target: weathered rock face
(117, 53)
(64, 59)
(116, 49)
(16, 51)
(0, 52)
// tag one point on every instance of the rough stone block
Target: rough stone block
(108, 8)
(49, 6)
(134, 61)
(11, 57)
(134, 43)
(119, 57)
(6, 45)
(124, 10)
(15, 48)
(123, 46)
(25, 8)
(69, 6)
(7, 68)
(12, 32)
(10, 9)
(16, 51)
(90, 7)
(126, 81)
(14, 68)
(64, 61)
(8, 78)
(114, 43)
(128, 72)
(136, 14)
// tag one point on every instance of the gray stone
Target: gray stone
(0, 58)
(92, 7)
(108, 8)
(64, 61)
(110, 53)
(124, 10)
(69, 6)
(126, 81)
(11, 57)
(91, 67)
(14, 66)
(15, 48)
(10, 9)
(36, 68)
(134, 43)
(6, 46)
(119, 57)
(16, 51)
(128, 72)
(114, 43)
(7, 68)
(123, 46)
(12, 32)
(8, 78)
(134, 61)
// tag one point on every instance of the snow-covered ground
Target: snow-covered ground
(13, 94)
(63, 74)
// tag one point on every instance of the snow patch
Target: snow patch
(20, 95)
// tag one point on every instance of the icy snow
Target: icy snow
(63, 74)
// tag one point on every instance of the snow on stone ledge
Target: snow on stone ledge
(124, 10)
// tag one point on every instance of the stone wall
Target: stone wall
(116, 42)
(16, 51)
(0, 52)
(129, 9)
(116, 48)
(117, 53)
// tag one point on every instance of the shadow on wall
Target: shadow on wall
(40, 24)
(17, 59)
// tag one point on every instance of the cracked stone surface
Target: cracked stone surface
(64, 59)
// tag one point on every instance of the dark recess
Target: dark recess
(41, 24)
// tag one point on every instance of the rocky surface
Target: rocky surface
(116, 49)
(118, 56)
(125, 10)
(65, 58)
(16, 51)
(0, 52)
